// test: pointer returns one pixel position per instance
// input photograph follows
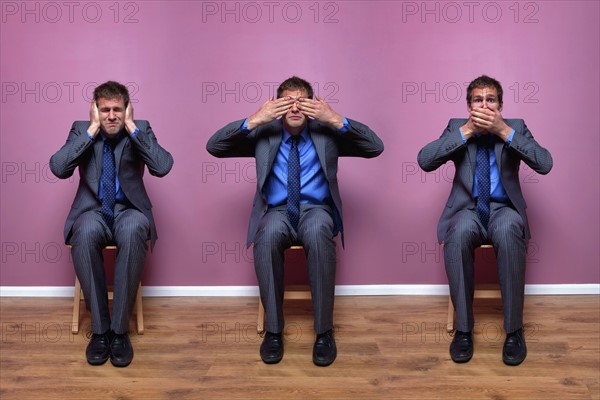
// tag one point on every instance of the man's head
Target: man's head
(484, 92)
(294, 87)
(294, 84)
(112, 99)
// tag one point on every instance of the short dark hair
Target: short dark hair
(112, 90)
(482, 82)
(295, 83)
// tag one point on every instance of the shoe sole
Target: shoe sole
(514, 363)
(323, 363)
(461, 360)
(272, 361)
(97, 362)
(119, 365)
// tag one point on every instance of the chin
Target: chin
(296, 123)
(112, 131)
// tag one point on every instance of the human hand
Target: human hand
(321, 111)
(486, 121)
(94, 127)
(269, 111)
(129, 124)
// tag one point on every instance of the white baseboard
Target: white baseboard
(340, 290)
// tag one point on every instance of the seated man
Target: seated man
(111, 206)
(297, 199)
(486, 206)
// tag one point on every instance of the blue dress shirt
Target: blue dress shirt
(496, 188)
(314, 188)
(119, 196)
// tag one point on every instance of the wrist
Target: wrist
(505, 132)
(252, 122)
(337, 122)
(93, 129)
(130, 126)
(467, 131)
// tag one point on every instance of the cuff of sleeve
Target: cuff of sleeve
(244, 127)
(90, 136)
(510, 137)
(346, 126)
(134, 133)
(462, 136)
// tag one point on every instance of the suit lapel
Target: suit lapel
(274, 143)
(319, 141)
(98, 148)
(498, 147)
(472, 150)
(274, 135)
(119, 150)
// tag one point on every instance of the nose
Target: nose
(295, 107)
(111, 114)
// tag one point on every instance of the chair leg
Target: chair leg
(76, 303)
(139, 311)
(450, 323)
(260, 323)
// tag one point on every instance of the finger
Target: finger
(306, 100)
(481, 116)
(284, 102)
(268, 101)
(480, 122)
(309, 113)
(283, 107)
(308, 105)
(280, 113)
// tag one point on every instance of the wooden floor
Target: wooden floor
(389, 347)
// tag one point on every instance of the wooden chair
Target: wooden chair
(78, 296)
(485, 291)
(292, 292)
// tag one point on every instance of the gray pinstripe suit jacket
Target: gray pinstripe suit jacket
(450, 147)
(131, 155)
(263, 144)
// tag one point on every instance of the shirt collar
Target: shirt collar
(488, 139)
(116, 139)
(303, 134)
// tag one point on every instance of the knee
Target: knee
(461, 230)
(272, 233)
(315, 233)
(87, 230)
(134, 227)
(506, 229)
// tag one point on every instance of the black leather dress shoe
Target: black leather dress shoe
(461, 348)
(515, 350)
(121, 351)
(271, 349)
(98, 349)
(324, 350)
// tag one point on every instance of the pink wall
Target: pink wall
(400, 67)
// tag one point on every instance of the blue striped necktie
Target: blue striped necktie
(482, 172)
(293, 184)
(108, 179)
